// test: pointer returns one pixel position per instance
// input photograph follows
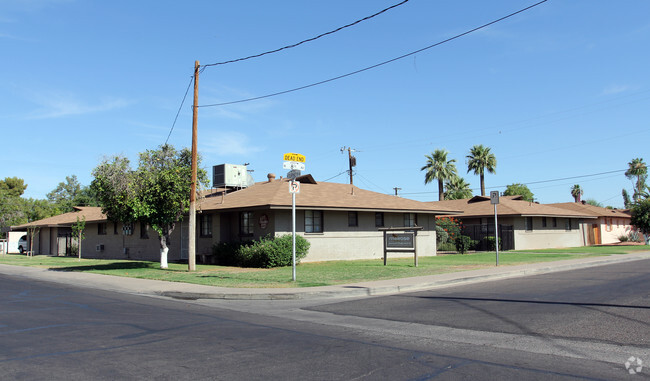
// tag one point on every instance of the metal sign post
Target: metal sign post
(294, 162)
(494, 199)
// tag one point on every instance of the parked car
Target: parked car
(22, 244)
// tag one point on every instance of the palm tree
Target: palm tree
(438, 167)
(479, 160)
(637, 168)
(457, 188)
(576, 192)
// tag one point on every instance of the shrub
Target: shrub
(451, 226)
(463, 244)
(623, 238)
(441, 235)
(267, 252)
(446, 246)
(490, 243)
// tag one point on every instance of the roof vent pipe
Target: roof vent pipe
(271, 177)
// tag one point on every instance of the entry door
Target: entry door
(185, 239)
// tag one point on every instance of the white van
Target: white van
(22, 244)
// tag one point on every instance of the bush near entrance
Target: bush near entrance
(267, 252)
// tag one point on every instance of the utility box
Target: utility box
(231, 176)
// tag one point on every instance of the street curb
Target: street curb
(352, 290)
(183, 291)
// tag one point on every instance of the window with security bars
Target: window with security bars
(313, 221)
(246, 223)
(206, 225)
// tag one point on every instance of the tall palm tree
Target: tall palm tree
(457, 188)
(637, 168)
(438, 167)
(576, 192)
(479, 160)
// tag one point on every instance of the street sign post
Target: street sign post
(494, 200)
(295, 163)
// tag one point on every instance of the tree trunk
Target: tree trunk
(163, 252)
(482, 184)
(441, 191)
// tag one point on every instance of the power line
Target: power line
(333, 177)
(541, 181)
(179, 109)
(309, 39)
(379, 64)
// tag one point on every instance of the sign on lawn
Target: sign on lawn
(400, 240)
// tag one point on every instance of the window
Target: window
(313, 221)
(353, 219)
(101, 228)
(206, 225)
(529, 224)
(410, 219)
(127, 228)
(144, 230)
(543, 222)
(554, 222)
(246, 223)
(609, 224)
(567, 224)
(114, 227)
(379, 219)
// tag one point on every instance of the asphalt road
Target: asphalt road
(573, 325)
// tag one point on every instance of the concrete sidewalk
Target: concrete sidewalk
(384, 287)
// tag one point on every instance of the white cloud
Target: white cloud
(53, 105)
(227, 143)
(615, 89)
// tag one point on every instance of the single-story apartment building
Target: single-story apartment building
(340, 221)
(608, 225)
(522, 224)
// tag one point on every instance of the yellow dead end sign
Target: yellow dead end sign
(294, 157)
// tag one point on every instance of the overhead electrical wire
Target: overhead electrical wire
(307, 40)
(179, 109)
(541, 181)
(379, 64)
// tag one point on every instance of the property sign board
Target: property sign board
(400, 240)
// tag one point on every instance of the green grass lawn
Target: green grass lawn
(311, 274)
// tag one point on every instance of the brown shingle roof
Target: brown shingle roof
(592, 210)
(322, 195)
(92, 214)
(480, 206)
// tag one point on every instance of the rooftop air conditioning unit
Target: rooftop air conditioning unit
(99, 247)
(231, 176)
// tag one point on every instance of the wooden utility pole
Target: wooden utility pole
(352, 160)
(191, 247)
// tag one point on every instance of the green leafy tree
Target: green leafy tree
(156, 193)
(641, 218)
(438, 167)
(517, 189)
(479, 160)
(70, 193)
(78, 231)
(576, 192)
(637, 169)
(456, 188)
(591, 201)
(13, 186)
(627, 202)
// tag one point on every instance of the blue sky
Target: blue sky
(559, 91)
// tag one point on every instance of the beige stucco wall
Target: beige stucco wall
(549, 236)
(342, 242)
(618, 227)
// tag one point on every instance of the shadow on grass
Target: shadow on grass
(107, 267)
